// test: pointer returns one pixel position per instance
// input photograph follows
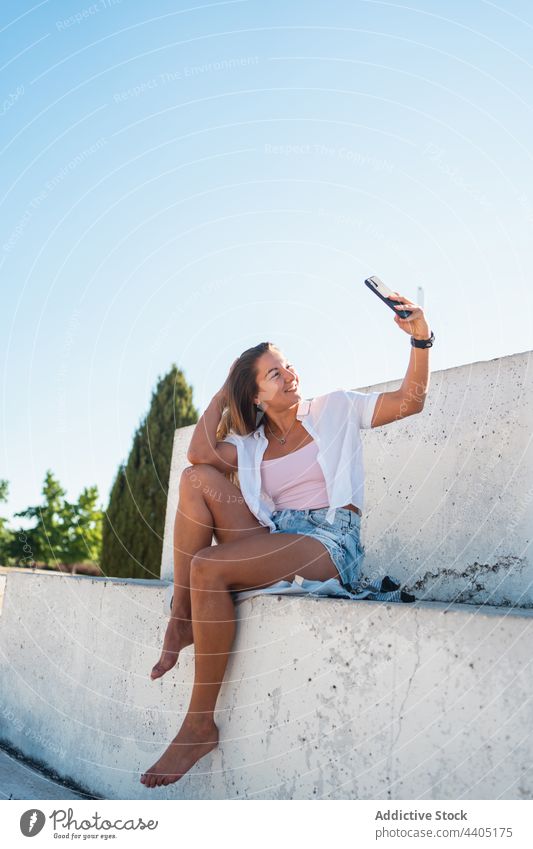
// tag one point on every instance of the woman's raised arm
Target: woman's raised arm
(203, 447)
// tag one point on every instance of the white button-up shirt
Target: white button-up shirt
(334, 421)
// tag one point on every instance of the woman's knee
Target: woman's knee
(209, 483)
(196, 476)
(204, 567)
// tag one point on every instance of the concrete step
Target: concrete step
(20, 779)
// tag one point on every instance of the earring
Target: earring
(259, 415)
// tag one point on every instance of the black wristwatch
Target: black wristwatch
(423, 343)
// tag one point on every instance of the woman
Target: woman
(297, 511)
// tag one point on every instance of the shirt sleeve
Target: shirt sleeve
(363, 404)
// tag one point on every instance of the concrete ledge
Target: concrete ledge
(321, 699)
(20, 779)
(448, 493)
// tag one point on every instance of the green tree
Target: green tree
(6, 535)
(132, 538)
(64, 531)
(84, 528)
(47, 536)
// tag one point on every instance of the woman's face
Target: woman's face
(277, 380)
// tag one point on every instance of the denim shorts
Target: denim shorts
(342, 538)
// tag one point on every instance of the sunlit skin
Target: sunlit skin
(279, 395)
(179, 635)
(248, 556)
(275, 376)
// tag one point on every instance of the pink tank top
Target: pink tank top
(295, 480)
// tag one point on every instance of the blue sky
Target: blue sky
(182, 181)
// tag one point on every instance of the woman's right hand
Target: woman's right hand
(222, 394)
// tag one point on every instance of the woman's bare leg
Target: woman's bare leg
(208, 502)
(216, 571)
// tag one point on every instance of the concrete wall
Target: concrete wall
(322, 698)
(449, 492)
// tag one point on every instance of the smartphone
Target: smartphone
(378, 288)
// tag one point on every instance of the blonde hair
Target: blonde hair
(242, 415)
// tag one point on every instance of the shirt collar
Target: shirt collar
(303, 411)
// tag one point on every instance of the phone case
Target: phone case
(373, 284)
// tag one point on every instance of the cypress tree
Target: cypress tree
(134, 521)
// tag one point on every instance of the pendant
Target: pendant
(282, 441)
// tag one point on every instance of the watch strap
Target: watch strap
(423, 343)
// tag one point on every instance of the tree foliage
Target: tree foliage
(84, 520)
(6, 535)
(135, 518)
(47, 534)
(63, 531)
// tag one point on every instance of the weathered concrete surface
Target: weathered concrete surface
(449, 492)
(19, 780)
(321, 699)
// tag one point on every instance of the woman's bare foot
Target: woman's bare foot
(194, 740)
(178, 635)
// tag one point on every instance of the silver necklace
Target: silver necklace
(283, 439)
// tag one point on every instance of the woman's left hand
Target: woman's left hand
(416, 324)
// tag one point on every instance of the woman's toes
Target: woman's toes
(161, 668)
(156, 671)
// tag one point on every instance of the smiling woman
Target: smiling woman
(295, 512)
(262, 370)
